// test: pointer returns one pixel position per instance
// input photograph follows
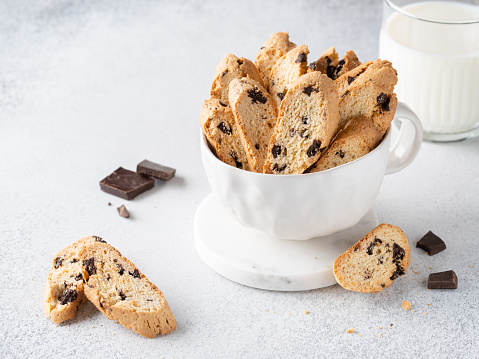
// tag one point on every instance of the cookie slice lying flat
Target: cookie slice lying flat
(229, 68)
(64, 293)
(358, 138)
(219, 127)
(286, 71)
(374, 262)
(308, 119)
(272, 50)
(122, 293)
(256, 116)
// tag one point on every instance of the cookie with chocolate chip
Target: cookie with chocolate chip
(255, 113)
(229, 68)
(219, 127)
(286, 71)
(375, 262)
(308, 120)
(358, 138)
(122, 293)
(272, 50)
(64, 292)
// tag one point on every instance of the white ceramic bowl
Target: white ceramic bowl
(315, 204)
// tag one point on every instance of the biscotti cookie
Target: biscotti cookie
(231, 67)
(272, 50)
(329, 63)
(358, 138)
(63, 293)
(286, 71)
(308, 119)
(255, 113)
(122, 293)
(374, 262)
(371, 95)
(219, 127)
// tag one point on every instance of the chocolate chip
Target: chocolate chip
(398, 253)
(89, 265)
(257, 96)
(74, 260)
(58, 262)
(301, 58)
(99, 239)
(240, 62)
(277, 168)
(340, 65)
(79, 276)
(314, 148)
(357, 247)
(108, 277)
(312, 66)
(351, 79)
(380, 260)
(224, 73)
(304, 118)
(68, 296)
(399, 271)
(121, 270)
(235, 158)
(330, 71)
(328, 60)
(222, 104)
(222, 127)
(280, 95)
(383, 285)
(122, 295)
(369, 250)
(272, 82)
(276, 151)
(135, 273)
(383, 100)
(309, 89)
(431, 243)
(340, 153)
(256, 146)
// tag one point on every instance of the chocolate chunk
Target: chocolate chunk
(222, 104)
(340, 65)
(276, 151)
(314, 148)
(277, 168)
(257, 96)
(156, 170)
(301, 58)
(222, 127)
(89, 265)
(68, 296)
(122, 295)
(309, 89)
(328, 60)
(398, 253)
(369, 250)
(74, 260)
(79, 276)
(126, 184)
(312, 66)
(383, 100)
(99, 239)
(330, 71)
(240, 62)
(442, 280)
(280, 95)
(351, 79)
(256, 146)
(399, 271)
(58, 262)
(135, 273)
(340, 153)
(235, 158)
(123, 212)
(304, 118)
(121, 270)
(431, 243)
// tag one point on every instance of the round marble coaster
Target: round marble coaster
(255, 259)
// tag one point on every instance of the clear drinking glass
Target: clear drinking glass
(434, 46)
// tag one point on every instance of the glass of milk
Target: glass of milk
(434, 46)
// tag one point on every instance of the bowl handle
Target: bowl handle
(408, 142)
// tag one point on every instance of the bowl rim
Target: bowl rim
(215, 158)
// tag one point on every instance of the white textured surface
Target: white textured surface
(88, 86)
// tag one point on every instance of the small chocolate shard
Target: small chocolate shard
(99, 239)
(431, 243)
(155, 170)
(58, 262)
(442, 280)
(257, 96)
(89, 265)
(126, 184)
(123, 212)
(314, 148)
(301, 58)
(67, 296)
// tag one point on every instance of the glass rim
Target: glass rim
(400, 10)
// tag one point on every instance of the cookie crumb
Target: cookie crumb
(406, 305)
(379, 327)
(351, 330)
(379, 334)
(415, 272)
(425, 313)
(470, 265)
(428, 304)
(430, 267)
(317, 258)
(305, 311)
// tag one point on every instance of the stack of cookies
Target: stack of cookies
(280, 115)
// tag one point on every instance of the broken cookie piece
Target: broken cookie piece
(375, 262)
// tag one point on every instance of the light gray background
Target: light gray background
(88, 86)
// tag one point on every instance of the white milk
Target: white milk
(437, 64)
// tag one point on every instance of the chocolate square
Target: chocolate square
(126, 184)
(155, 170)
(442, 280)
(431, 243)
